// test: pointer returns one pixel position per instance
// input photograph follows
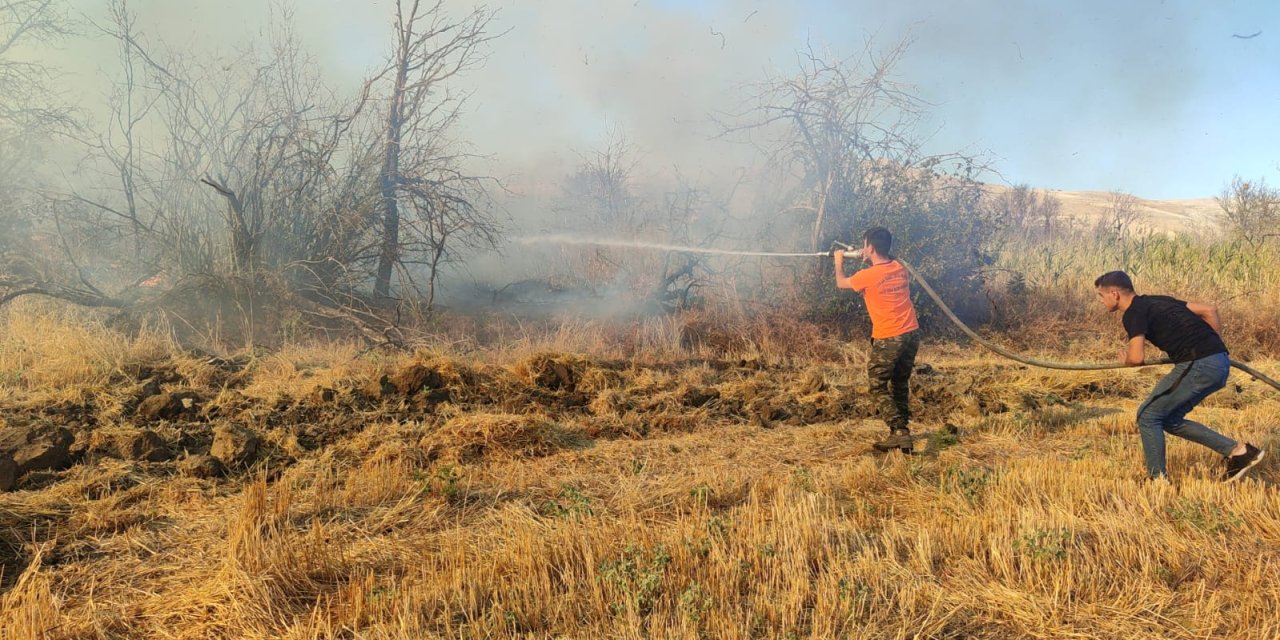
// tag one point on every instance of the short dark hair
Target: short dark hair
(1117, 279)
(880, 239)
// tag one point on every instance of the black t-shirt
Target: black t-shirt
(1171, 326)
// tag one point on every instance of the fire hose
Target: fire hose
(1036, 362)
(924, 284)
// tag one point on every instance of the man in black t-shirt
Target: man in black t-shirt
(1188, 332)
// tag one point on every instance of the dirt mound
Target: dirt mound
(143, 445)
(200, 466)
(468, 437)
(475, 409)
(170, 406)
(234, 446)
(417, 377)
(8, 473)
(704, 333)
(424, 382)
(33, 448)
(552, 371)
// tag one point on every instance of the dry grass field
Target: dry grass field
(453, 320)
(572, 484)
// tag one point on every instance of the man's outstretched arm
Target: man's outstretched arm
(1208, 313)
(842, 281)
(1136, 353)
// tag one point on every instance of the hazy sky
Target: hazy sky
(1155, 98)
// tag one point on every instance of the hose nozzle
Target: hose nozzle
(846, 250)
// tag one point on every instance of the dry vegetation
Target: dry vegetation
(705, 474)
(1047, 283)
(581, 483)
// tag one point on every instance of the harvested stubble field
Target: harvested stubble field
(546, 490)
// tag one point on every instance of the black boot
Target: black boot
(899, 440)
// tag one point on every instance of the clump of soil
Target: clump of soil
(552, 371)
(173, 405)
(32, 447)
(234, 446)
(468, 437)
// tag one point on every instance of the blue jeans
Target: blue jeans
(1167, 407)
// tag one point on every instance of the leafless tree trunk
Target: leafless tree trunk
(429, 49)
(389, 177)
(243, 241)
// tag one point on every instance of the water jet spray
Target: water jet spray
(657, 246)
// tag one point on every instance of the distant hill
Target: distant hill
(1192, 215)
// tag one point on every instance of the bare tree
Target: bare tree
(1026, 210)
(1048, 211)
(242, 177)
(600, 191)
(259, 129)
(29, 109)
(600, 197)
(27, 103)
(847, 125)
(1252, 209)
(847, 133)
(695, 217)
(236, 185)
(429, 203)
(1122, 214)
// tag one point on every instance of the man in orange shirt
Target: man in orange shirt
(895, 336)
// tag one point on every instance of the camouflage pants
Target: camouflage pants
(889, 371)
